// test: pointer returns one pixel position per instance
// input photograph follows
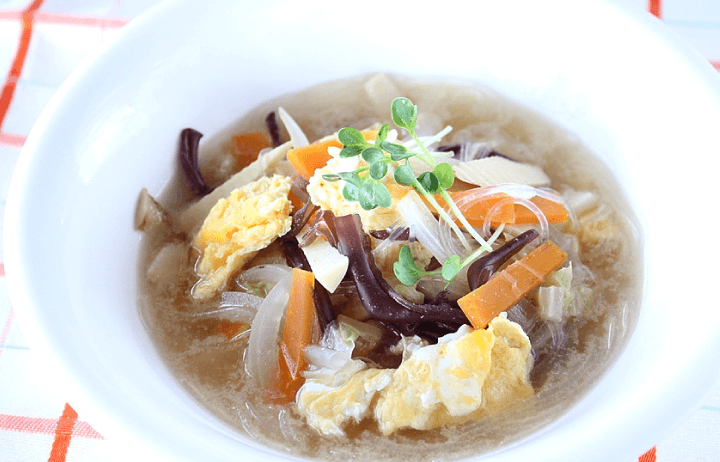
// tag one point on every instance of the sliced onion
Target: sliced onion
(423, 226)
(236, 307)
(230, 299)
(263, 347)
(297, 136)
(231, 313)
(270, 273)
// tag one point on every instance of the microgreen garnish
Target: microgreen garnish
(408, 273)
(404, 113)
(406, 270)
(365, 185)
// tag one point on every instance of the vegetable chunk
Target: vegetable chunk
(247, 147)
(301, 329)
(237, 227)
(466, 374)
(507, 211)
(306, 159)
(510, 285)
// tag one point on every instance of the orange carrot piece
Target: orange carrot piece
(555, 212)
(247, 147)
(516, 214)
(476, 211)
(511, 285)
(306, 159)
(301, 329)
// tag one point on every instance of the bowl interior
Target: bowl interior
(637, 97)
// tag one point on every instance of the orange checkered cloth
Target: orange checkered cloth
(41, 42)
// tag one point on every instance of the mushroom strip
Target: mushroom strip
(272, 126)
(378, 298)
(484, 267)
(188, 153)
(322, 225)
(301, 217)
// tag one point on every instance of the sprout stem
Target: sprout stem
(443, 214)
(456, 211)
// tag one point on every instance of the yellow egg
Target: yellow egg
(438, 383)
(328, 194)
(328, 409)
(463, 376)
(238, 226)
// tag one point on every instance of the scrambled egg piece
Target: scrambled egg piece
(438, 382)
(328, 409)
(328, 194)
(237, 227)
(508, 379)
(463, 376)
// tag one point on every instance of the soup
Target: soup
(525, 184)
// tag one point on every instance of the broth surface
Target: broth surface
(213, 371)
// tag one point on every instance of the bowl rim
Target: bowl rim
(17, 274)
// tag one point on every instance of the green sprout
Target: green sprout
(364, 185)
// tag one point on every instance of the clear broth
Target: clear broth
(214, 374)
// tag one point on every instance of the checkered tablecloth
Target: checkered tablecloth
(41, 43)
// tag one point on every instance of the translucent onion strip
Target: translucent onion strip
(263, 348)
(423, 225)
(230, 299)
(265, 273)
(236, 307)
(297, 136)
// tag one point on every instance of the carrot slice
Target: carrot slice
(555, 212)
(306, 159)
(477, 210)
(301, 329)
(511, 285)
(247, 147)
(513, 214)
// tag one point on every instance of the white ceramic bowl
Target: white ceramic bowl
(648, 105)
